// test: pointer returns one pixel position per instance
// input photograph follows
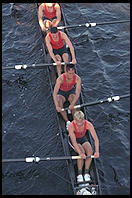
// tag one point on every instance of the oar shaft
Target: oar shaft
(125, 96)
(33, 66)
(13, 160)
(110, 99)
(37, 159)
(113, 22)
(92, 24)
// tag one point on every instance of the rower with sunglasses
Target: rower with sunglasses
(67, 88)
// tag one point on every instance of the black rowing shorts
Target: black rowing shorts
(60, 51)
(45, 18)
(82, 140)
(66, 93)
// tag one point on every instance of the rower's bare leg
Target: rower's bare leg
(88, 150)
(53, 23)
(80, 162)
(65, 59)
(47, 23)
(70, 99)
(58, 67)
(61, 100)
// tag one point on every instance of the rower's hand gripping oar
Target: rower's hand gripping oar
(37, 159)
(33, 66)
(110, 99)
(92, 24)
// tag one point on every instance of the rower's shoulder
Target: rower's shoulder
(89, 124)
(41, 5)
(60, 79)
(78, 77)
(63, 34)
(57, 5)
(47, 38)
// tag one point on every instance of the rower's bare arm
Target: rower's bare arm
(68, 42)
(56, 89)
(77, 91)
(58, 14)
(73, 139)
(90, 127)
(40, 15)
(49, 47)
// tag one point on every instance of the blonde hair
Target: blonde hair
(78, 115)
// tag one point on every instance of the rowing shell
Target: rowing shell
(83, 188)
(95, 185)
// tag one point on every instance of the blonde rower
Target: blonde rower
(77, 132)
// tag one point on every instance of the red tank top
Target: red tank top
(77, 133)
(67, 86)
(47, 14)
(56, 44)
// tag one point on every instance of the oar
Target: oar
(37, 159)
(92, 24)
(33, 66)
(110, 99)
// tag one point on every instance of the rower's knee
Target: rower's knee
(58, 57)
(65, 57)
(71, 97)
(53, 23)
(81, 148)
(60, 101)
(47, 23)
(88, 148)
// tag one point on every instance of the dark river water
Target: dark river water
(29, 115)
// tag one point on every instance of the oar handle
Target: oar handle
(75, 107)
(78, 157)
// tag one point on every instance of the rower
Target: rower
(49, 15)
(77, 130)
(67, 88)
(56, 44)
